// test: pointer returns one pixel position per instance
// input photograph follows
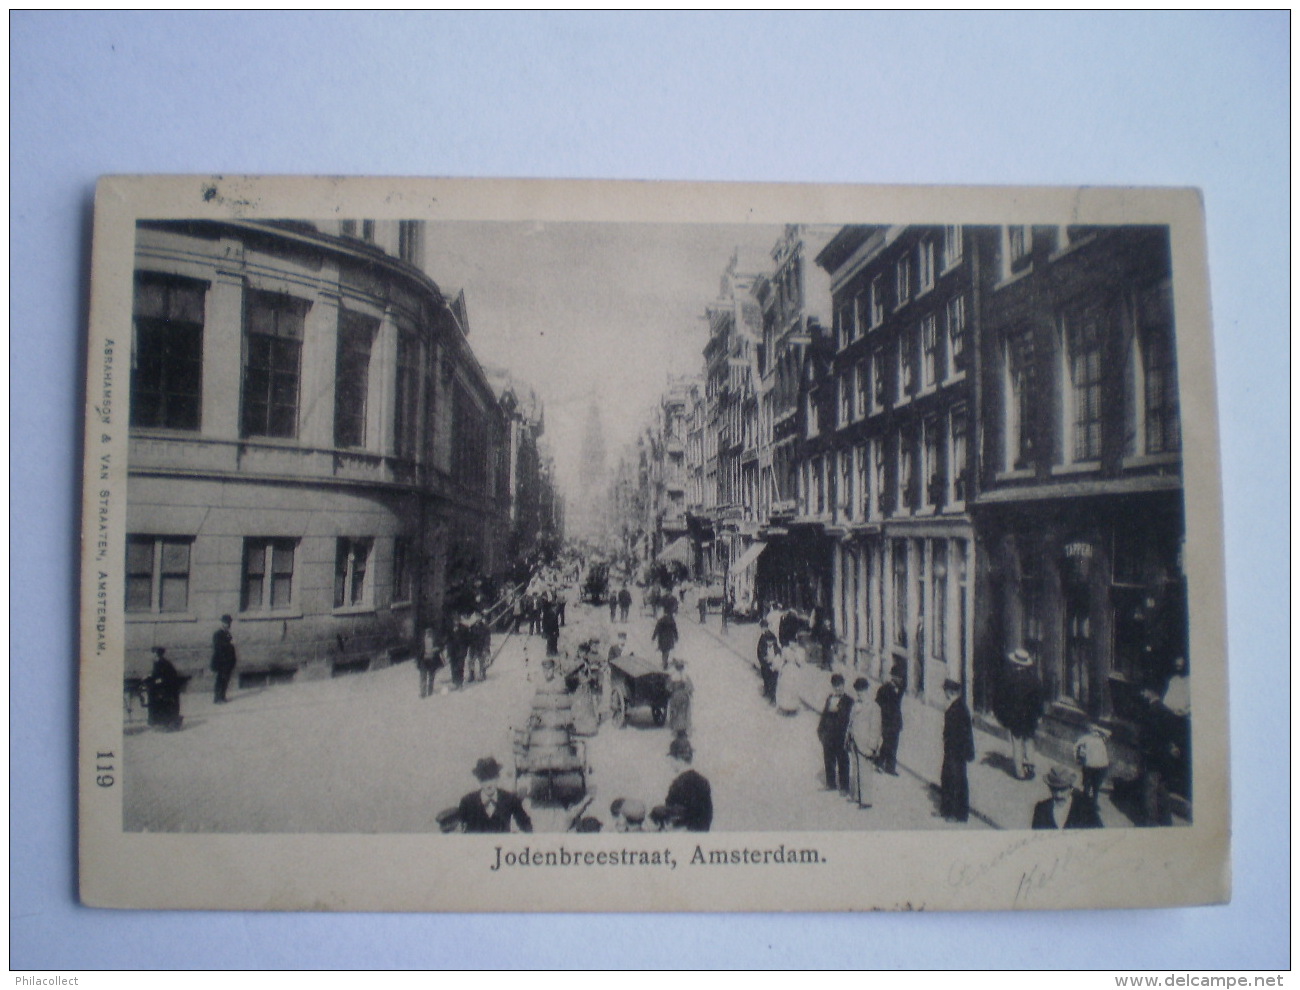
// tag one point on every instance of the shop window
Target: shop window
(167, 357)
(352, 378)
(273, 331)
(900, 593)
(939, 598)
(268, 573)
(158, 573)
(1032, 593)
(351, 559)
(1077, 670)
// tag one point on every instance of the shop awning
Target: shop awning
(746, 559)
(679, 549)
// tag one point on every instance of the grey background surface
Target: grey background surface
(1181, 99)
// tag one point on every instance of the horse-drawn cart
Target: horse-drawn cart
(635, 683)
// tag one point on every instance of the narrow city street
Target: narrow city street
(365, 754)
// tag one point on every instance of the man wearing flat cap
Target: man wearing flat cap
(1067, 807)
(490, 809)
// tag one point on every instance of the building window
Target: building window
(925, 270)
(958, 472)
(352, 378)
(846, 399)
(903, 281)
(1161, 423)
(930, 360)
(956, 312)
(1017, 242)
(406, 397)
(268, 573)
(167, 359)
(351, 558)
(273, 328)
(861, 380)
(845, 330)
(880, 488)
(908, 487)
(862, 467)
(819, 479)
(906, 364)
(1019, 400)
(361, 229)
(860, 314)
(951, 247)
(401, 569)
(844, 496)
(936, 488)
(1084, 336)
(158, 573)
(877, 301)
(878, 399)
(408, 241)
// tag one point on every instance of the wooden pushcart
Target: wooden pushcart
(635, 683)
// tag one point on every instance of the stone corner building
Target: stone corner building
(314, 448)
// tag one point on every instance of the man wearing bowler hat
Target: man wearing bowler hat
(490, 809)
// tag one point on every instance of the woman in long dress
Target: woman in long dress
(680, 692)
(789, 659)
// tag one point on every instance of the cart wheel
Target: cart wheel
(617, 708)
(660, 714)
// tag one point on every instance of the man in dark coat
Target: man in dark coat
(223, 660)
(624, 603)
(458, 643)
(767, 648)
(665, 636)
(164, 688)
(958, 750)
(1067, 807)
(490, 809)
(1018, 705)
(889, 698)
(689, 795)
(832, 733)
(551, 627)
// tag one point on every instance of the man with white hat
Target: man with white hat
(1018, 705)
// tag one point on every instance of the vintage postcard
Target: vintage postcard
(465, 545)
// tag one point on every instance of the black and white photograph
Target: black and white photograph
(543, 528)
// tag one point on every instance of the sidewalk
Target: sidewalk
(997, 798)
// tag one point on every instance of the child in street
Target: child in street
(1094, 760)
